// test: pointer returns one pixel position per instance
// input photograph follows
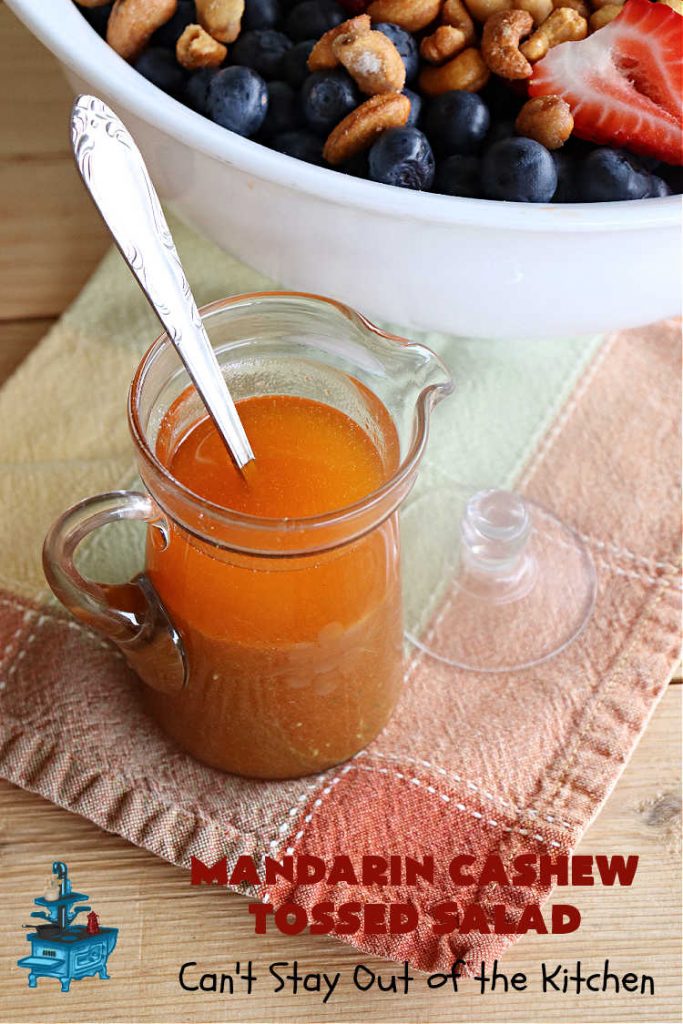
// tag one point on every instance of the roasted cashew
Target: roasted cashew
(456, 14)
(197, 49)
(500, 43)
(133, 22)
(222, 19)
(322, 57)
(483, 9)
(467, 71)
(364, 125)
(373, 62)
(442, 44)
(564, 25)
(580, 6)
(546, 119)
(538, 9)
(412, 15)
(603, 16)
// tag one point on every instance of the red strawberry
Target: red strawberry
(624, 83)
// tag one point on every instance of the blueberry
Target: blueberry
(415, 107)
(312, 18)
(261, 50)
(459, 175)
(403, 157)
(609, 174)
(658, 187)
(197, 89)
(169, 34)
(301, 144)
(97, 17)
(284, 110)
(295, 63)
(160, 67)
(327, 97)
(566, 177)
(457, 122)
(404, 43)
(260, 14)
(519, 170)
(238, 100)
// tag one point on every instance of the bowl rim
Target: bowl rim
(69, 36)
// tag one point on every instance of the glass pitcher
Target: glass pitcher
(270, 648)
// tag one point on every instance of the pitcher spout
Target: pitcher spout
(419, 377)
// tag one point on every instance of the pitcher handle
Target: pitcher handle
(131, 614)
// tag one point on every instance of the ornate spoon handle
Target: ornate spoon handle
(115, 174)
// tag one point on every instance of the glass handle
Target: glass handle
(131, 614)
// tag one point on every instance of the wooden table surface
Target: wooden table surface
(50, 240)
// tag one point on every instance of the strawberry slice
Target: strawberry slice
(624, 83)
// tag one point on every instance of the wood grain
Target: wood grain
(50, 241)
(17, 338)
(50, 234)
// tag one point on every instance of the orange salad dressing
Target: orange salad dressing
(295, 661)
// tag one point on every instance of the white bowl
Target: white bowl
(465, 266)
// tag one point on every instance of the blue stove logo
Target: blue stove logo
(61, 949)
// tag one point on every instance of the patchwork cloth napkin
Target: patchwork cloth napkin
(469, 763)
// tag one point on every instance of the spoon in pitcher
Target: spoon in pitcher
(115, 174)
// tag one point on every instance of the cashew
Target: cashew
(92, 3)
(197, 49)
(538, 9)
(362, 126)
(132, 23)
(373, 62)
(467, 71)
(564, 25)
(445, 42)
(596, 4)
(456, 14)
(483, 9)
(500, 43)
(604, 15)
(222, 19)
(547, 119)
(322, 57)
(412, 15)
(580, 6)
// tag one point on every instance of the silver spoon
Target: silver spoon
(115, 174)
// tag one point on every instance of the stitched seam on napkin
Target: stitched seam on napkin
(529, 812)
(411, 780)
(604, 686)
